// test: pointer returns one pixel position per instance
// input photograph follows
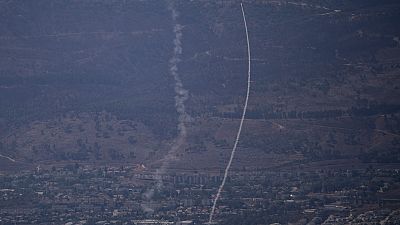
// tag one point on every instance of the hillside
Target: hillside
(90, 82)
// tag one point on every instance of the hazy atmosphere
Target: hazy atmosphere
(256, 112)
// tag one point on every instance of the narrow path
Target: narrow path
(9, 158)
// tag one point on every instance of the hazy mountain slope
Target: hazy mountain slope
(89, 81)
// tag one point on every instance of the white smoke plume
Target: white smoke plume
(221, 187)
(181, 95)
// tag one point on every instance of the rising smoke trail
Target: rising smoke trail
(181, 95)
(241, 122)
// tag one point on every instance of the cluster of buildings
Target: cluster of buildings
(75, 194)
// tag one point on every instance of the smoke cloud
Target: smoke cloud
(181, 95)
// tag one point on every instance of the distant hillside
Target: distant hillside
(89, 81)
